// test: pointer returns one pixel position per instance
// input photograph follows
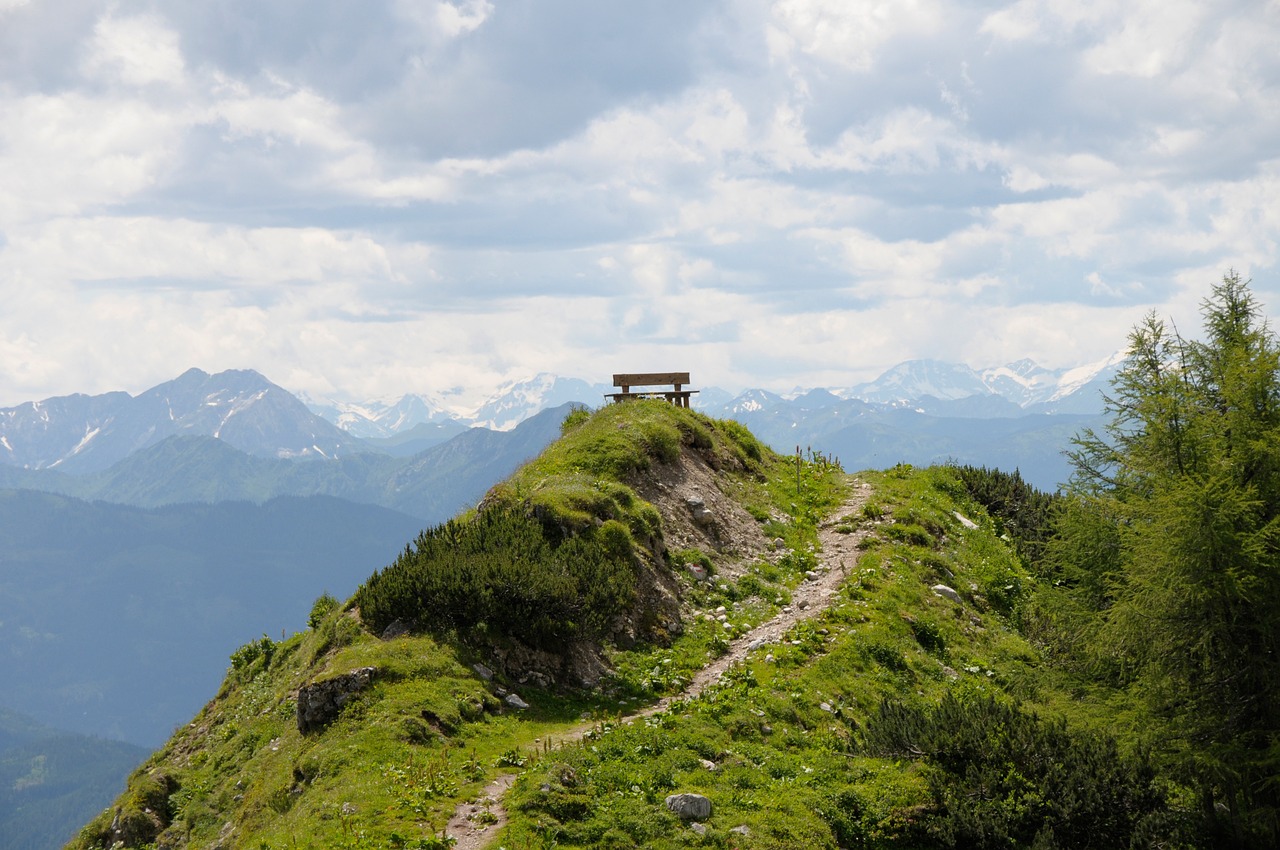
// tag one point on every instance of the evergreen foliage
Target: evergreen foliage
(1175, 533)
(1002, 778)
(498, 571)
(1020, 510)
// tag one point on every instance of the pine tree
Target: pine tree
(1189, 465)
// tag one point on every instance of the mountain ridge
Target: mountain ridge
(460, 670)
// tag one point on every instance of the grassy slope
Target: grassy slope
(781, 730)
(430, 732)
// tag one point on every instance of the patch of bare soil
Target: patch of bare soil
(837, 558)
(720, 524)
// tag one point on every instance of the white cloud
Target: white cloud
(136, 51)
(131, 253)
(1149, 38)
(62, 154)
(776, 192)
(465, 17)
(851, 33)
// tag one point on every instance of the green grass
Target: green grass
(778, 746)
(430, 732)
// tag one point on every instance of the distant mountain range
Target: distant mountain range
(1022, 388)
(172, 442)
(81, 433)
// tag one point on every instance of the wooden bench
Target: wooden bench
(678, 396)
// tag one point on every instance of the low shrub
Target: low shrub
(1002, 778)
(502, 571)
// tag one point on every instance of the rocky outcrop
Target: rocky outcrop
(320, 702)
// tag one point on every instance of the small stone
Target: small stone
(755, 644)
(708, 764)
(949, 593)
(741, 830)
(779, 543)
(728, 626)
(769, 658)
(825, 706)
(693, 807)
(482, 671)
(700, 828)
(514, 701)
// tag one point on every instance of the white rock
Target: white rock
(689, 806)
(949, 593)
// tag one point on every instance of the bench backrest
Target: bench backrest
(649, 379)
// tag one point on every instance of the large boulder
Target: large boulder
(689, 806)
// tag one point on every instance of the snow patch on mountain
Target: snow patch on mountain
(383, 418)
(1023, 382)
(516, 401)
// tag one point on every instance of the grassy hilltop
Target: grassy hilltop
(899, 716)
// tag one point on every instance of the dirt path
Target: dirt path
(838, 556)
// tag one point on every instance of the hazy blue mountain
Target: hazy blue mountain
(864, 435)
(53, 781)
(79, 433)
(432, 485)
(98, 600)
(380, 420)
(417, 438)
(444, 478)
(916, 378)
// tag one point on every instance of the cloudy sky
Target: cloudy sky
(362, 199)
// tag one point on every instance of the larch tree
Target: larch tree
(1188, 467)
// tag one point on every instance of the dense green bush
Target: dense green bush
(244, 657)
(1020, 510)
(500, 571)
(1002, 778)
(324, 605)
